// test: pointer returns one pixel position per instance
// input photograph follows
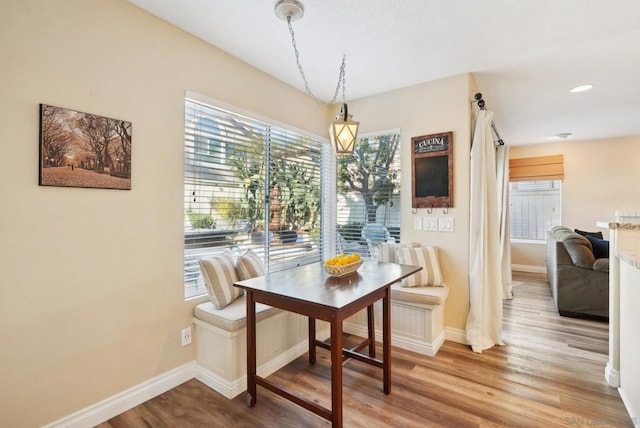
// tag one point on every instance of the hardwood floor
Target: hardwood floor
(550, 373)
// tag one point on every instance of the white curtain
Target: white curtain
(484, 322)
(502, 174)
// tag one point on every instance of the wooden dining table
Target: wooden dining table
(310, 291)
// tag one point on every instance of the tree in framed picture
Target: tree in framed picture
(84, 150)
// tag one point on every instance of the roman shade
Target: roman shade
(537, 168)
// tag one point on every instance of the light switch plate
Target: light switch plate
(417, 223)
(445, 224)
(430, 223)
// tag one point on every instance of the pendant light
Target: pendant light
(343, 130)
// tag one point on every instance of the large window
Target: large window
(534, 208)
(249, 184)
(368, 183)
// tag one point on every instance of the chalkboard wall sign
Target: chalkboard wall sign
(432, 174)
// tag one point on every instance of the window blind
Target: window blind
(534, 208)
(249, 184)
(368, 184)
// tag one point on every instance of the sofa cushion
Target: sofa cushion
(427, 257)
(594, 234)
(579, 249)
(600, 247)
(219, 273)
(249, 265)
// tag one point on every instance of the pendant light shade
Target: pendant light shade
(344, 132)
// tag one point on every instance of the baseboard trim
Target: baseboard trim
(414, 345)
(627, 404)
(612, 376)
(232, 389)
(128, 399)
(125, 400)
(529, 269)
(456, 335)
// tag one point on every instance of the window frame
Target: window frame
(325, 245)
(348, 242)
(543, 239)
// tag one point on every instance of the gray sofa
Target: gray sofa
(579, 282)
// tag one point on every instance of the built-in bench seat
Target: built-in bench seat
(417, 324)
(417, 312)
(220, 326)
(221, 348)
(417, 319)
(221, 344)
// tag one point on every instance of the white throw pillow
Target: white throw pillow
(427, 257)
(219, 273)
(249, 265)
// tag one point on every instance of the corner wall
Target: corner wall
(91, 295)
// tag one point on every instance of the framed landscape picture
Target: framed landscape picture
(84, 150)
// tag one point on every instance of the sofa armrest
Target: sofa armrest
(601, 265)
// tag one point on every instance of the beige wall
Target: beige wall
(91, 297)
(91, 280)
(600, 177)
(423, 109)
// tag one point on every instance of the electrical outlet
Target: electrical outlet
(186, 336)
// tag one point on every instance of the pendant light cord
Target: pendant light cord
(341, 76)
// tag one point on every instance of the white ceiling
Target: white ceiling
(525, 54)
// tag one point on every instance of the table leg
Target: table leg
(312, 340)
(336, 372)
(386, 340)
(371, 325)
(251, 349)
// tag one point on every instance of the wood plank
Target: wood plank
(550, 373)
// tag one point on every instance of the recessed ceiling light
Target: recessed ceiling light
(581, 88)
(564, 135)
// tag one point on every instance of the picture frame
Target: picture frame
(80, 149)
(432, 171)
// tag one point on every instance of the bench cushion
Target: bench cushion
(233, 316)
(423, 295)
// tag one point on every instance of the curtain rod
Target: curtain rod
(480, 101)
